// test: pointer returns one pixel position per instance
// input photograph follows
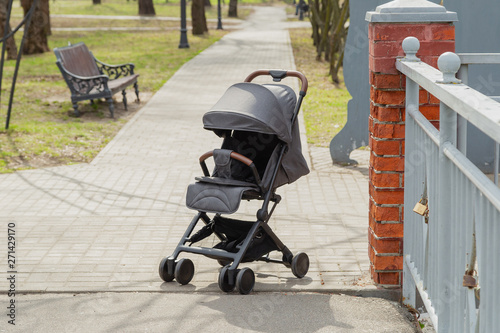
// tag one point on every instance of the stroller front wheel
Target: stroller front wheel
(300, 265)
(163, 271)
(245, 280)
(184, 271)
(223, 281)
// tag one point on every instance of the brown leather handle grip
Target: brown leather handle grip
(234, 155)
(299, 75)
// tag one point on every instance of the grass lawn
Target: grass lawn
(168, 8)
(325, 106)
(41, 131)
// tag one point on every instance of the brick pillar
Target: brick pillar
(387, 28)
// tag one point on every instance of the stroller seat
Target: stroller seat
(217, 195)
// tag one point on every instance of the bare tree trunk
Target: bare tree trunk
(96, 2)
(146, 7)
(39, 29)
(233, 8)
(11, 43)
(338, 36)
(198, 18)
(207, 3)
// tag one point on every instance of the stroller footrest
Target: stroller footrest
(214, 198)
(209, 252)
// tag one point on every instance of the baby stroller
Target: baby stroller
(261, 151)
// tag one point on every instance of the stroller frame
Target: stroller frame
(230, 276)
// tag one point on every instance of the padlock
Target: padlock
(469, 281)
(421, 209)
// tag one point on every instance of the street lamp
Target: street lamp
(219, 19)
(183, 44)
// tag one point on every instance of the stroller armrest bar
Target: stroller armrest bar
(279, 75)
(236, 156)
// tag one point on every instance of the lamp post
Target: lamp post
(183, 44)
(219, 19)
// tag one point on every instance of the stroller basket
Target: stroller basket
(260, 152)
(235, 232)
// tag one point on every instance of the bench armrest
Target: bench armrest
(115, 71)
(83, 85)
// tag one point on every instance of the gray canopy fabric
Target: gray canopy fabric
(266, 109)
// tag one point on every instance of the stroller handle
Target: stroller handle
(278, 75)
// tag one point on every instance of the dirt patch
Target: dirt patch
(71, 154)
(99, 110)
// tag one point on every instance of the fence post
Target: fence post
(389, 24)
(449, 64)
(410, 46)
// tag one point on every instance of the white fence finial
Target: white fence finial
(449, 64)
(411, 45)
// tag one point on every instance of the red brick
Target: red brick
(386, 114)
(384, 179)
(381, 163)
(389, 147)
(385, 81)
(385, 263)
(435, 48)
(397, 32)
(387, 97)
(403, 148)
(388, 263)
(430, 112)
(385, 278)
(385, 244)
(387, 196)
(387, 229)
(383, 65)
(431, 60)
(441, 31)
(433, 99)
(388, 131)
(389, 278)
(435, 124)
(423, 97)
(386, 49)
(384, 213)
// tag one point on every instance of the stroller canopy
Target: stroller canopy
(266, 109)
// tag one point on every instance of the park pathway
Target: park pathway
(106, 225)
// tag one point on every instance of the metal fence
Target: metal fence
(452, 250)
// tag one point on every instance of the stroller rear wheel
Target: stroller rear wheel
(184, 271)
(223, 282)
(300, 265)
(163, 271)
(245, 280)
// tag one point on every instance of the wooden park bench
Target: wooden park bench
(89, 78)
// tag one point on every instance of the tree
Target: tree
(96, 2)
(146, 7)
(11, 43)
(198, 18)
(233, 8)
(328, 20)
(39, 29)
